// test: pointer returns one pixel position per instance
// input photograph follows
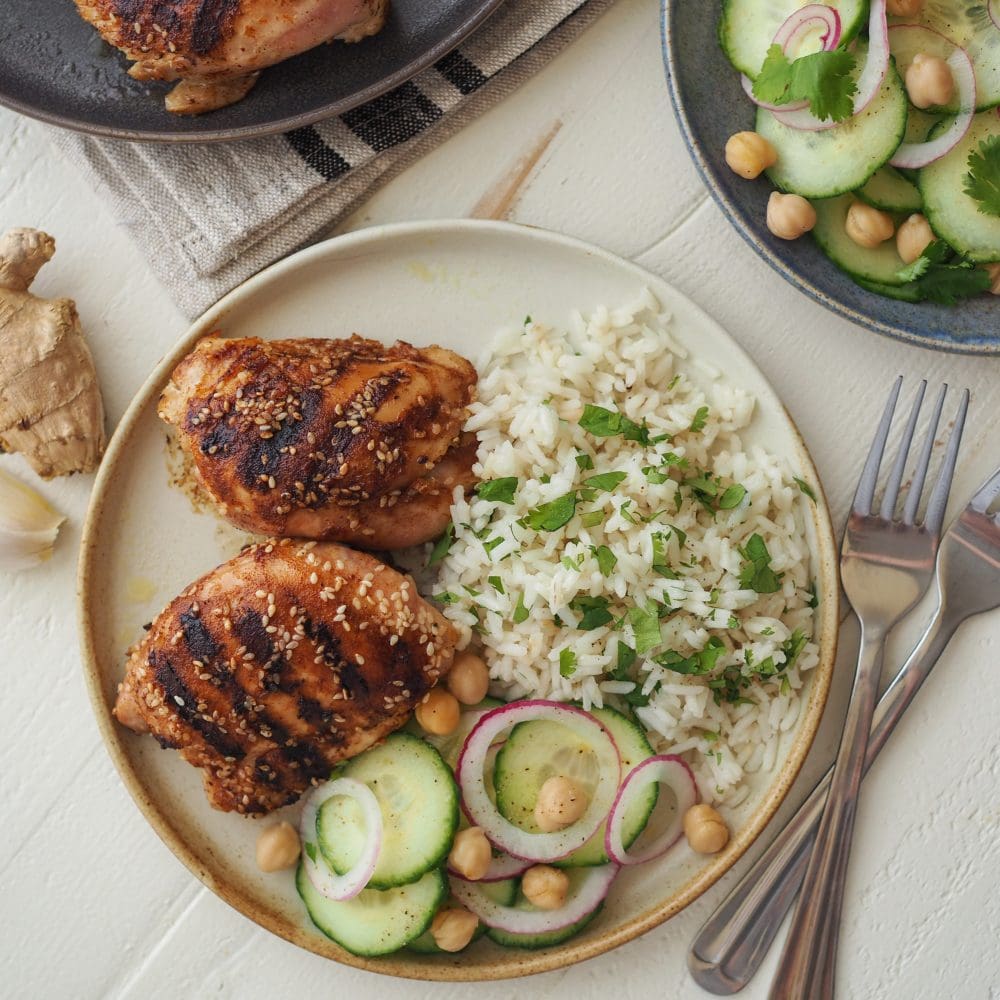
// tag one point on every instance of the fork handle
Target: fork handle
(733, 942)
(807, 964)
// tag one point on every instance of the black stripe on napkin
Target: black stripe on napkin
(462, 73)
(315, 153)
(393, 118)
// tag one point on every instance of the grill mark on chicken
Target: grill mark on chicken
(184, 702)
(197, 26)
(197, 637)
(255, 465)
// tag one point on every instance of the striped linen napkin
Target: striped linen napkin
(208, 217)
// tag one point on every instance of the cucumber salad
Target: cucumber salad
(503, 820)
(879, 125)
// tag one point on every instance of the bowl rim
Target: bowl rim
(290, 122)
(739, 222)
(404, 964)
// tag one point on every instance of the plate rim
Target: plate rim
(404, 965)
(736, 219)
(452, 40)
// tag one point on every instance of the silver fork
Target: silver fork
(886, 566)
(731, 945)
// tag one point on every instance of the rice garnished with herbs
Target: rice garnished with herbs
(625, 548)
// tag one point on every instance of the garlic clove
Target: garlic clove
(28, 525)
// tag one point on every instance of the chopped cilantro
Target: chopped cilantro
(492, 543)
(447, 597)
(756, 573)
(553, 515)
(499, 490)
(654, 476)
(527, 320)
(593, 611)
(592, 518)
(606, 559)
(786, 686)
(672, 384)
(646, 628)
(606, 481)
(626, 656)
(732, 497)
(793, 646)
(567, 662)
(521, 611)
(813, 595)
(442, 545)
(806, 488)
(496, 583)
(982, 182)
(939, 275)
(602, 422)
(824, 79)
(584, 461)
(700, 419)
(702, 662)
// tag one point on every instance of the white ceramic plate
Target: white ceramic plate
(451, 283)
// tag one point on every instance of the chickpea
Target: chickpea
(545, 887)
(789, 216)
(468, 680)
(452, 928)
(904, 8)
(929, 81)
(913, 237)
(867, 226)
(705, 829)
(560, 803)
(438, 712)
(749, 154)
(994, 272)
(277, 847)
(470, 854)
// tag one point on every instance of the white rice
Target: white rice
(532, 393)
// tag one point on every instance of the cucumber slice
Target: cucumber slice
(535, 751)
(904, 293)
(747, 28)
(890, 191)
(881, 265)
(450, 746)
(836, 160)
(376, 922)
(967, 24)
(503, 893)
(919, 124)
(511, 940)
(953, 215)
(419, 801)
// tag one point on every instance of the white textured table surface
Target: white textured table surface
(93, 905)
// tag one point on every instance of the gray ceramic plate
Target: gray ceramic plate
(54, 66)
(710, 107)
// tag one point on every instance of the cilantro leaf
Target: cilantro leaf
(553, 515)
(606, 559)
(593, 611)
(732, 497)
(606, 481)
(446, 597)
(442, 545)
(756, 573)
(700, 419)
(496, 583)
(824, 79)
(806, 488)
(602, 422)
(793, 646)
(592, 518)
(520, 612)
(500, 490)
(584, 461)
(939, 275)
(702, 662)
(626, 657)
(982, 182)
(646, 626)
(567, 662)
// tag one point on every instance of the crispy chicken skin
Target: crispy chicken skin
(344, 440)
(217, 47)
(280, 663)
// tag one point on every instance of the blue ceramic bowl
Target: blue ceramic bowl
(711, 106)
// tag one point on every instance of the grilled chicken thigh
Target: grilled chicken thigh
(280, 663)
(216, 48)
(345, 440)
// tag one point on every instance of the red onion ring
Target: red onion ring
(483, 813)
(589, 892)
(914, 155)
(806, 19)
(665, 769)
(869, 82)
(325, 880)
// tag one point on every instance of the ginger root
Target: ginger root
(50, 400)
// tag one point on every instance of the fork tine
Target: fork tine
(869, 476)
(899, 467)
(987, 493)
(920, 475)
(934, 517)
